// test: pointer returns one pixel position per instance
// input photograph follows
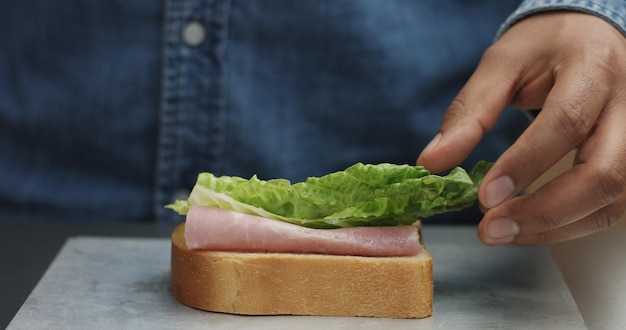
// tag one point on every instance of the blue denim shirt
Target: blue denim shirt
(109, 109)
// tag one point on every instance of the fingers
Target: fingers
(474, 112)
(570, 111)
(495, 230)
(576, 75)
(602, 219)
(557, 212)
(506, 75)
(587, 198)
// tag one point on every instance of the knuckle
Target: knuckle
(575, 123)
(540, 238)
(601, 54)
(498, 51)
(610, 216)
(611, 181)
(546, 221)
(457, 108)
(459, 111)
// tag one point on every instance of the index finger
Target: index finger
(473, 112)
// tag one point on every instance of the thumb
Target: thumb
(471, 114)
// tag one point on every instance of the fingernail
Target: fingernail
(433, 142)
(498, 190)
(502, 230)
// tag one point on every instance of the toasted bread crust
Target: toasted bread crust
(301, 284)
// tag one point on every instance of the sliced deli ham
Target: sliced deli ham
(210, 228)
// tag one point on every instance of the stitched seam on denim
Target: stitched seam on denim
(193, 104)
(211, 99)
(167, 157)
(221, 14)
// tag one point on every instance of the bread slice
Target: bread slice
(301, 284)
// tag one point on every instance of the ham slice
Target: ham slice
(214, 229)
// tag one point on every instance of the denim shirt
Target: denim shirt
(110, 109)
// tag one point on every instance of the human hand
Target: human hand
(573, 67)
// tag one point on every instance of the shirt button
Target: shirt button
(194, 33)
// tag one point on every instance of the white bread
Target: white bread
(301, 284)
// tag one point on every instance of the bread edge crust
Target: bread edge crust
(301, 284)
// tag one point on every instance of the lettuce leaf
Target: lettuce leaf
(361, 195)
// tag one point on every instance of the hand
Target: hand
(573, 67)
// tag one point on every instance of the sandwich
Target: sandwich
(345, 244)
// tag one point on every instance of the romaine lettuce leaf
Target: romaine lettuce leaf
(361, 195)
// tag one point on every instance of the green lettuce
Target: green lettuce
(361, 195)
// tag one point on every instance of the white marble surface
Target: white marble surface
(123, 283)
